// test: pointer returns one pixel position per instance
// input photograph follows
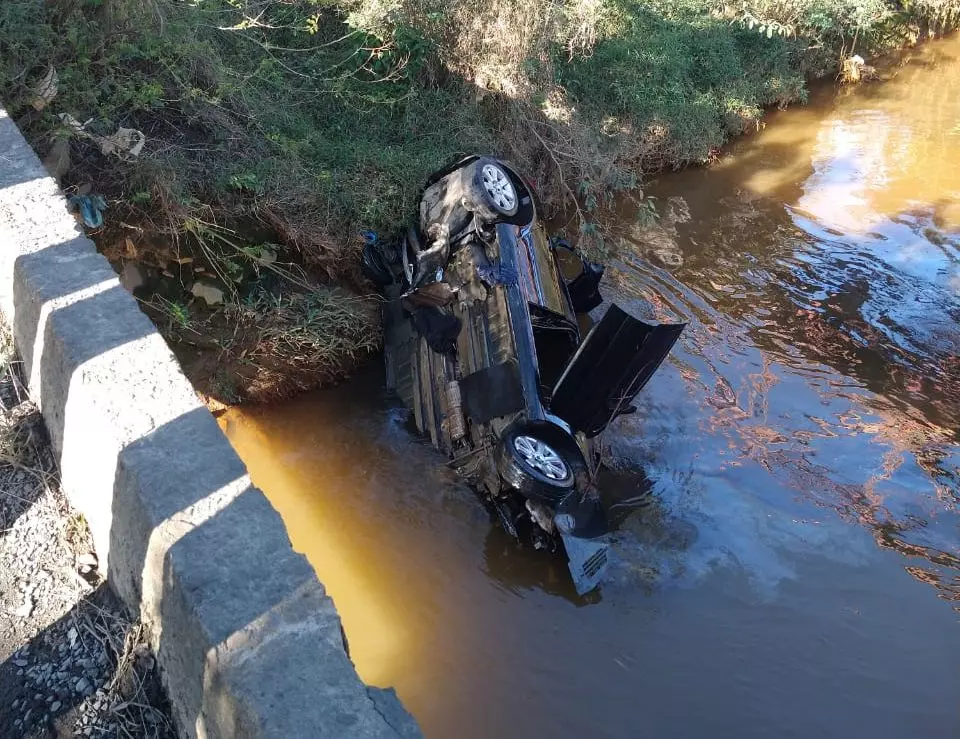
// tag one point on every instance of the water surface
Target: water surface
(789, 540)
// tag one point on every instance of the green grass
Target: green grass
(305, 118)
(682, 87)
(328, 114)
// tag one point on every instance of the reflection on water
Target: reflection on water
(786, 498)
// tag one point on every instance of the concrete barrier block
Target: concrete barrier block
(248, 641)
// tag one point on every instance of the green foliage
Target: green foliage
(688, 80)
(647, 213)
(246, 181)
(332, 112)
(285, 100)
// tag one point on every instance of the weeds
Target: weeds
(323, 117)
(178, 313)
(320, 328)
(76, 532)
(130, 703)
(21, 432)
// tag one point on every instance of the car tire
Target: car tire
(493, 193)
(526, 454)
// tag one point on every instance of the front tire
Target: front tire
(492, 190)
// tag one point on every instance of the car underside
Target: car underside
(484, 341)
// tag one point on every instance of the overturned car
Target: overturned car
(483, 342)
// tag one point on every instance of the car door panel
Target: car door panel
(614, 362)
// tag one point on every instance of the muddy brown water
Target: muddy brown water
(788, 549)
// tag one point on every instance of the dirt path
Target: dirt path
(72, 663)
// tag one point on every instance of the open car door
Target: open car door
(609, 368)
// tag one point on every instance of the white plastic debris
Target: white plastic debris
(74, 123)
(855, 69)
(46, 90)
(125, 143)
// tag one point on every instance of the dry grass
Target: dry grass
(320, 329)
(127, 704)
(23, 442)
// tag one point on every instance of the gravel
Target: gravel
(72, 662)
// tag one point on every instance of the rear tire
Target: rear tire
(540, 460)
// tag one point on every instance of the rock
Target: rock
(659, 245)
(212, 294)
(20, 662)
(132, 276)
(81, 685)
(24, 610)
(55, 706)
(678, 210)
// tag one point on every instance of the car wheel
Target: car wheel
(539, 460)
(493, 190)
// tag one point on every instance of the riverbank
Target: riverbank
(239, 147)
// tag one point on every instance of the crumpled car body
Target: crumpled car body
(487, 341)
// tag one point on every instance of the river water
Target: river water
(788, 549)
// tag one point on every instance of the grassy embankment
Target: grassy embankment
(277, 128)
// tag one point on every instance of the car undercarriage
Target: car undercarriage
(483, 318)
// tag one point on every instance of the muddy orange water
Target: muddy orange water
(788, 542)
